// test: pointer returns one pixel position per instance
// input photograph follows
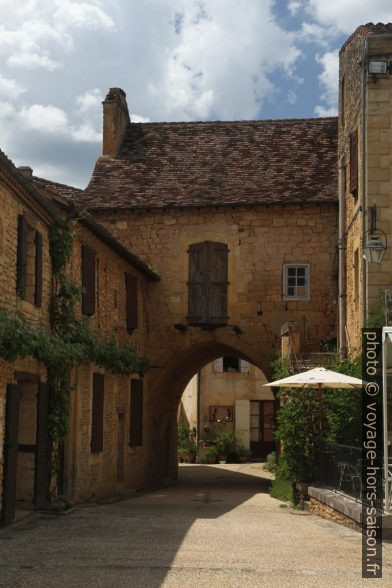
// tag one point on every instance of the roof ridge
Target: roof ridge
(366, 30)
(231, 122)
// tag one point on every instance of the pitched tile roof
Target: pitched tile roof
(65, 196)
(205, 164)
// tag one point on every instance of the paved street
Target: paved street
(217, 527)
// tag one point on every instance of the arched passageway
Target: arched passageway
(166, 388)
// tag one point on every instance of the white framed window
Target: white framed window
(296, 284)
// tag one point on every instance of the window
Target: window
(296, 282)
(354, 163)
(136, 414)
(231, 364)
(88, 281)
(29, 263)
(131, 302)
(97, 409)
(207, 285)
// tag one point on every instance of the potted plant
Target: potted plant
(207, 455)
(225, 443)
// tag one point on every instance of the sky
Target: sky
(177, 60)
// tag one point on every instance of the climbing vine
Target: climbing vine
(69, 341)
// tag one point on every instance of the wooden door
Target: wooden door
(10, 454)
(120, 446)
(42, 448)
(262, 426)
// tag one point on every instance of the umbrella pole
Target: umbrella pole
(321, 407)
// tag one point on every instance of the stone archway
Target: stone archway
(166, 387)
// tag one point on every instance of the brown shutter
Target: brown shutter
(21, 259)
(198, 284)
(42, 448)
(88, 280)
(217, 296)
(136, 416)
(131, 302)
(38, 270)
(97, 413)
(354, 162)
(10, 455)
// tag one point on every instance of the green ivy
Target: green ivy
(69, 341)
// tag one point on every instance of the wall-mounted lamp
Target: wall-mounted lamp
(376, 244)
(379, 68)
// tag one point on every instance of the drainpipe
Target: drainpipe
(198, 408)
(363, 179)
(342, 257)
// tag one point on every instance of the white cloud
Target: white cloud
(81, 14)
(222, 61)
(329, 82)
(346, 15)
(137, 118)
(294, 7)
(44, 119)
(32, 61)
(91, 99)
(10, 88)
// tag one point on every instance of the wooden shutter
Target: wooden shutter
(42, 448)
(244, 366)
(198, 283)
(354, 162)
(38, 270)
(21, 259)
(136, 416)
(131, 302)
(97, 413)
(217, 295)
(218, 364)
(10, 455)
(88, 280)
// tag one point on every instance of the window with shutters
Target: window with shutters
(207, 284)
(29, 262)
(131, 302)
(88, 280)
(97, 410)
(354, 163)
(136, 414)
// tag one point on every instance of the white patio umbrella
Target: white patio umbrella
(318, 378)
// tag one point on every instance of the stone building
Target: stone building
(365, 151)
(240, 221)
(25, 286)
(104, 452)
(231, 391)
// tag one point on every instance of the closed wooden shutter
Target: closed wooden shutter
(42, 448)
(136, 416)
(131, 302)
(198, 283)
(354, 162)
(88, 280)
(97, 410)
(21, 259)
(38, 270)
(217, 297)
(10, 455)
(207, 285)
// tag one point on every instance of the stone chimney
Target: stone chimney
(26, 171)
(115, 121)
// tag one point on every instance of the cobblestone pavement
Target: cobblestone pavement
(217, 527)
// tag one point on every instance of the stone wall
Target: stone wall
(260, 240)
(378, 175)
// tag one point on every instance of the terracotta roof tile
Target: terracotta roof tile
(218, 164)
(368, 29)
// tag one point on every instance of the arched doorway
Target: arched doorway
(167, 383)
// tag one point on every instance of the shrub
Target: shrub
(270, 464)
(207, 455)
